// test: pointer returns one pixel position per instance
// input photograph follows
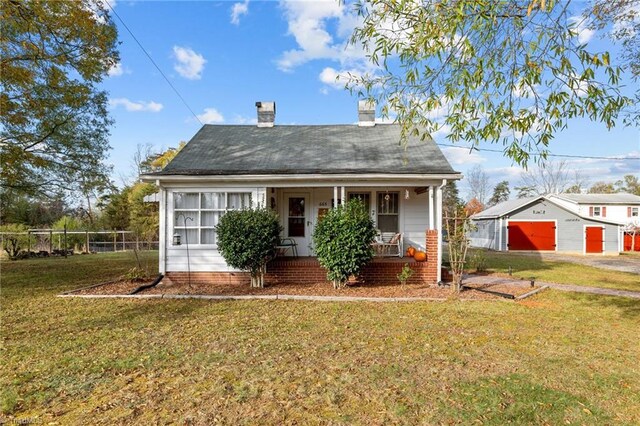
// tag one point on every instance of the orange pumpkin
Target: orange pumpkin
(420, 256)
(411, 251)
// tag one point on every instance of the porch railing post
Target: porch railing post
(439, 227)
(431, 212)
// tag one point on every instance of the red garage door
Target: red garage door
(631, 242)
(532, 235)
(594, 239)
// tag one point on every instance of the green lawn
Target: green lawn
(553, 359)
(528, 265)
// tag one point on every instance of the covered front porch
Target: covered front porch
(409, 210)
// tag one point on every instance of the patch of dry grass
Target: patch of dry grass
(552, 359)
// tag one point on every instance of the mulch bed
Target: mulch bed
(316, 289)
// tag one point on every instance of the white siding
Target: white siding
(200, 259)
(413, 221)
(615, 213)
(416, 219)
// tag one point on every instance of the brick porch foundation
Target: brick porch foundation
(308, 270)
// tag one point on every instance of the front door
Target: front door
(594, 239)
(298, 221)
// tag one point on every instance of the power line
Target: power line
(586, 157)
(154, 62)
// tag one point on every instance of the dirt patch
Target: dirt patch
(512, 289)
(117, 287)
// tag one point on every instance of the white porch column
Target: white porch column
(439, 228)
(343, 195)
(431, 212)
(335, 196)
(162, 243)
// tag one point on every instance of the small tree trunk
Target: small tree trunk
(257, 279)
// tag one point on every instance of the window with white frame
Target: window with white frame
(196, 214)
(365, 197)
(388, 209)
(597, 211)
(635, 211)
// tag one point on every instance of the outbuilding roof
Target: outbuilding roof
(306, 149)
(618, 198)
(504, 208)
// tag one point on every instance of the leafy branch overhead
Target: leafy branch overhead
(512, 73)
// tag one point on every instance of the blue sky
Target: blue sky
(223, 56)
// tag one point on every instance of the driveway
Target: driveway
(624, 263)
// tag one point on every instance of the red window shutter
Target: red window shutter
(591, 211)
(604, 212)
(628, 211)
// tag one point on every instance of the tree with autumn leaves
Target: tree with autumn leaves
(54, 124)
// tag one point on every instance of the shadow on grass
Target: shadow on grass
(503, 262)
(116, 313)
(627, 306)
(514, 399)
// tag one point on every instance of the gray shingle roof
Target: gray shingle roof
(504, 208)
(620, 198)
(325, 149)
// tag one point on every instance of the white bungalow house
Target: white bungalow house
(300, 171)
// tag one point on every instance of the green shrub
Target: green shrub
(247, 240)
(135, 274)
(342, 241)
(405, 275)
(74, 241)
(479, 261)
(14, 239)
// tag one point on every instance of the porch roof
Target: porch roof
(224, 150)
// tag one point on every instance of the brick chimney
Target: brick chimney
(266, 113)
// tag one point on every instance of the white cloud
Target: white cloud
(442, 132)
(337, 79)
(238, 119)
(117, 70)
(190, 64)
(308, 21)
(462, 155)
(237, 10)
(581, 26)
(210, 116)
(139, 106)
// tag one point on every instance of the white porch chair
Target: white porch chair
(388, 244)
